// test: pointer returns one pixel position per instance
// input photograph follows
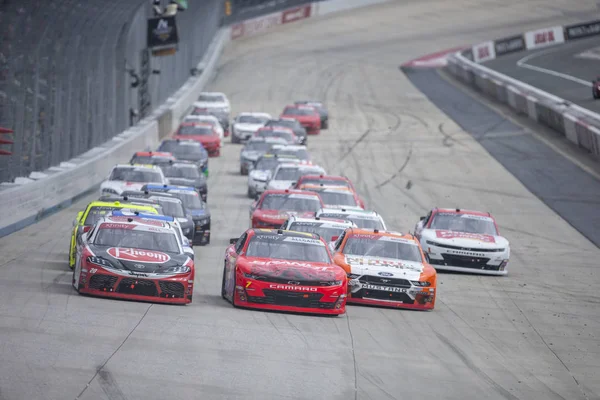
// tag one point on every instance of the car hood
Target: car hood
(137, 262)
(302, 118)
(187, 182)
(277, 215)
(251, 155)
(259, 174)
(247, 127)
(464, 239)
(285, 271)
(201, 212)
(387, 267)
(279, 185)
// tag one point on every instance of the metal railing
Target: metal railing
(74, 73)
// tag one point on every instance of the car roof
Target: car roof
(145, 224)
(253, 113)
(221, 93)
(376, 232)
(144, 215)
(169, 187)
(326, 188)
(137, 166)
(154, 153)
(277, 232)
(290, 191)
(348, 211)
(197, 124)
(124, 204)
(289, 146)
(317, 220)
(459, 211)
(323, 176)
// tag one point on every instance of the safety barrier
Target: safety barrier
(577, 124)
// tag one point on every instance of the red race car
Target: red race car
(135, 259)
(328, 180)
(308, 117)
(283, 271)
(274, 207)
(203, 133)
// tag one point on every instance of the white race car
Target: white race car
(215, 101)
(254, 148)
(286, 174)
(364, 219)
(262, 171)
(246, 124)
(464, 241)
(329, 229)
(298, 151)
(207, 119)
(131, 177)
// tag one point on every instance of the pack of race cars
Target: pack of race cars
(312, 245)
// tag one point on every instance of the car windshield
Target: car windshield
(337, 198)
(464, 223)
(190, 199)
(273, 133)
(257, 146)
(284, 247)
(96, 213)
(281, 123)
(325, 181)
(181, 171)
(195, 130)
(251, 119)
(172, 208)
(290, 202)
(301, 154)
(287, 174)
(385, 247)
(136, 239)
(319, 228)
(298, 111)
(142, 160)
(366, 223)
(135, 175)
(211, 98)
(266, 164)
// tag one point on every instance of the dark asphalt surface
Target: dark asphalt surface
(570, 191)
(562, 59)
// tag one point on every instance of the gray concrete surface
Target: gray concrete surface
(559, 65)
(530, 335)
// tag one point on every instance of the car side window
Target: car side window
(427, 218)
(240, 243)
(339, 241)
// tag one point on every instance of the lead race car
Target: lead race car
(283, 271)
(463, 241)
(386, 268)
(135, 259)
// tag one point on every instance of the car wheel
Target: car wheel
(234, 286)
(325, 125)
(595, 94)
(223, 291)
(71, 264)
(234, 139)
(251, 194)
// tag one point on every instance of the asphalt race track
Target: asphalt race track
(531, 335)
(564, 70)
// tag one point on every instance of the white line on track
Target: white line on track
(522, 63)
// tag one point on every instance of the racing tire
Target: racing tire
(325, 125)
(251, 194)
(234, 139)
(72, 266)
(595, 94)
(233, 294)
(223, 294)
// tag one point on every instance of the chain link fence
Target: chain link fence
(74, 73)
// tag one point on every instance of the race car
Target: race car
(245, 124)
(209, 120)
(329, 180)
(202, 133)
(286, 174)
(254, 148)
(263, 171)
(298, 151)
(596, 88)
(283, 271)
(335, 196)
(464, 241)
(308, 117)
(284, 133)
(187, 150)
(291, 123)
(131, 177)
(365, 219)
(181, 173)
(133, 259)
(214, 103)
(274, 207)
(193, 205)
(386, 269)
(321, 109)
(93, 212)
(185, 243)
(151, 157)
(329, 229)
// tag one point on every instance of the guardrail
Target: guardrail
(577, 124)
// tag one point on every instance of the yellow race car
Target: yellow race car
(93, 212)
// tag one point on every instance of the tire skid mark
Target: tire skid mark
(109, 386)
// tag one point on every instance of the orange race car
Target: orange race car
(386, 269)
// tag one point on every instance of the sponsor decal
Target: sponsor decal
(385, 274)
(509, 45)
(464, 235)
(477, 217)
(544, 37)
(137, 274)
(146, 256)
(92, 270)
(484, 52)
(304, 196)
(259, 25)
(294, 288)
(303, 240)
(385, 288)
(397, 240)
(582, 30)
(140, 220)
(108, 225)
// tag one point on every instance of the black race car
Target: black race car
(184, 173)
(291, 123)
(187, 150)
(320, 108)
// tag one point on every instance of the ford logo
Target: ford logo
(385, 274)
